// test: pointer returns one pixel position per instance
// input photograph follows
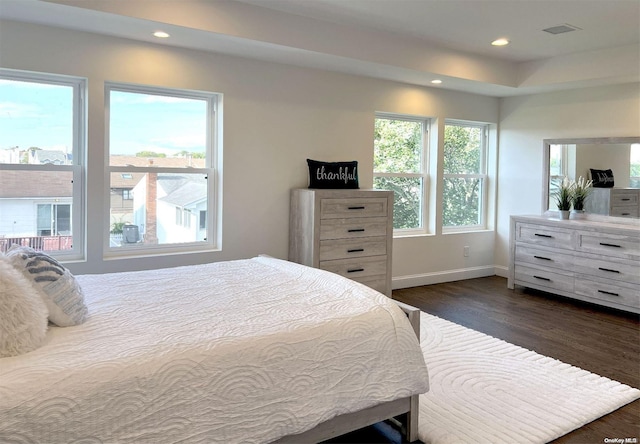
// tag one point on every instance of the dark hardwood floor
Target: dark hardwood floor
(597, 339)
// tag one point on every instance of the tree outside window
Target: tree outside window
(464, 175)
(634, 162)
(399, 165)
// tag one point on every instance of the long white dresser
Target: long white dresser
(349, 232)
(595, 259)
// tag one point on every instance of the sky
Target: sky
(37, 114)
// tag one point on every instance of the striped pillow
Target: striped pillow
(23, 314)
(57, 286)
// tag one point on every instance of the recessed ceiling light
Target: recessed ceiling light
(161, 34)
(436, 81)
(500, 42)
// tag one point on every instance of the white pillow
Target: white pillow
(57, 286)
(23, 313)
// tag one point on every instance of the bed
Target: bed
(248, 351)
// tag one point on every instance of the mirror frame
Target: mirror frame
(546, 154)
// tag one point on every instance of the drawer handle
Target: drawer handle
(543, 235)
(542, 278)
(608, 293)
(355, 250)
(356, 208)
(543, 258)
(604, 244)
(625, 199)
(609, 270)
(356, 230)
(355, 270)
(625, 214)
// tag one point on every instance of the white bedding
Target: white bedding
(240, 351)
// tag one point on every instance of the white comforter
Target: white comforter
(241, 351)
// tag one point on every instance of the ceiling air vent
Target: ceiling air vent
(561, 29)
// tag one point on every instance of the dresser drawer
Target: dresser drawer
(539, 257)
(547, 236)
(347, 248)
(353, 227)
(353, 207)
(543, 279)
(617, 270)
(609, 244)
(629, 211)
(358, 268)
(624, 198)
(601, 290)
(378, 283)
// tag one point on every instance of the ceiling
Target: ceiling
(471, 25)
(412, 41)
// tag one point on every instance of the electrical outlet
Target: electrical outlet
(465, 251)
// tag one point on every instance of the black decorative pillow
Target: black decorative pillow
(602, 178)
(333, 175)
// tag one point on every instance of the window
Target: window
(54, 220)
(634, 172)
(41, 162)
(464, 175)
(559, 158)
(162, 147)
(400, 165)
(203, 220)
(186, 220)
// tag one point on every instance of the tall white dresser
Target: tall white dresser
(349, 232)
(596, 259)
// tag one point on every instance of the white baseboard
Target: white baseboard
(501, 271)
(447, 276)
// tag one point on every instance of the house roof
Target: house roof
(167, 162)
(50, 184)
(130, 180)
(49, 156)
(183, 191)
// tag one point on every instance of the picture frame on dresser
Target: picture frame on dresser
(595, 259)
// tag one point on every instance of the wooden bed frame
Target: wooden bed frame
(405, 407)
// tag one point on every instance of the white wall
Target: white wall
(613, 157)
(607, 111)
(275, 116)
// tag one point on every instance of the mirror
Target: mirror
(575, 157)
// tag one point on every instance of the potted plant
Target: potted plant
(579, 193)
(563, 198)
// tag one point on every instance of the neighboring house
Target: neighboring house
(52, 157)
(29, 212)
(180, 203)
(133, 204)
(38, 212)
(121, 197)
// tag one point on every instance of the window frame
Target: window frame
(483, 175)
(425, 123)
(211, 171)
(77, 168)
